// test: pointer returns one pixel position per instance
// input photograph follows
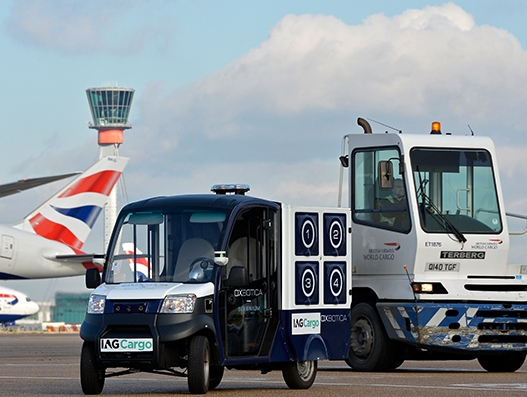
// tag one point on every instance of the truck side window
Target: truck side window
(372, 205)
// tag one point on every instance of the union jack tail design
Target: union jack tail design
(142, 264)
(69, 215)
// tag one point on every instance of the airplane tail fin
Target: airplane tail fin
(69, 215)
(142, 264)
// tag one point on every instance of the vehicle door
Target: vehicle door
(249, 297)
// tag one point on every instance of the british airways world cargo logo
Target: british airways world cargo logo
(114, 345)
(305, 323)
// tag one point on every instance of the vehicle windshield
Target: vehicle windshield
(456, 191)
(165, 247)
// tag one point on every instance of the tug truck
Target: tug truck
(194, 284)
(429, 254)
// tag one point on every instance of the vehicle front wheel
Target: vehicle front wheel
(216, 375)
(199, 365)
(92, 377)
(300, 374)
(502, 363)
(370, 347)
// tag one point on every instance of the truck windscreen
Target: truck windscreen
(456, 191)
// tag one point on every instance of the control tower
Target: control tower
(110, 107)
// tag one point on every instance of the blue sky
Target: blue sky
(252, 92)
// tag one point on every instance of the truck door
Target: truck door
(250, 300)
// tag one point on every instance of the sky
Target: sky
(251, 92)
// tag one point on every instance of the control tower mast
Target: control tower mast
(110, 107)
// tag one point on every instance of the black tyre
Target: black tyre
(370, 348)
(300, 374)
(199, 365)
(502, 363)
(92, 377)
(216, 375)
(397, 358)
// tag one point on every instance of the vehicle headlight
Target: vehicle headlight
(428, 288)
(179, 304)
(96, 304)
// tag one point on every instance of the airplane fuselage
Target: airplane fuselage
(25, 255)
(15, 305)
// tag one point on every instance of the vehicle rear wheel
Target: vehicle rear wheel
(370, 347)
(92, 377)
(502, 363)
(216, 375)
(199, 365)
(300, 374)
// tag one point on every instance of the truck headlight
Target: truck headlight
(178, 304)
(96, 304)
(428, 288)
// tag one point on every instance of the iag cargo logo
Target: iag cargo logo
(126, 345)
(305, 323)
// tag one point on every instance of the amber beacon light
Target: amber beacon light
(436, 128)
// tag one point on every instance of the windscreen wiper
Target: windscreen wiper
(447, 225)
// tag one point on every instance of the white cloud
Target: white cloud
(275, 117)
(285, 105)
(77, 26)
(434, 60)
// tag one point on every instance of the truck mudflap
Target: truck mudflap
(457, 327)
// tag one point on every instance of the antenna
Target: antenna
(386, 125)
(470, 129)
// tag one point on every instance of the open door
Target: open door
(250, 297)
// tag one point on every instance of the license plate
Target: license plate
(114, 345)
(442, 267)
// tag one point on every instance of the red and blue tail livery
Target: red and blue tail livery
(36, 247)
(69, 215)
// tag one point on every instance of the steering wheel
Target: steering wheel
(204, 262)
(198, 268)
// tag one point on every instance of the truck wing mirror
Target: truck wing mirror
(237, 277)
(93, 278)
(385, 175)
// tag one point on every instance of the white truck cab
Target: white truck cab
(194, 284)
(430, 273)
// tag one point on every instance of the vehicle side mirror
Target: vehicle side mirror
(220, 258)
(93, 278)
(385, 175)
(237, 277)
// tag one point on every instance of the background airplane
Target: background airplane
(47, 243)
(15, 305)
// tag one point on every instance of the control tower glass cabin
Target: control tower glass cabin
(110, 107)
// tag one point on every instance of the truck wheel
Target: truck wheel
(502, 363)
(300, 374)
(216, 375)
(397, 359)
(92, 377)
(199, 365)
(370, 347)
